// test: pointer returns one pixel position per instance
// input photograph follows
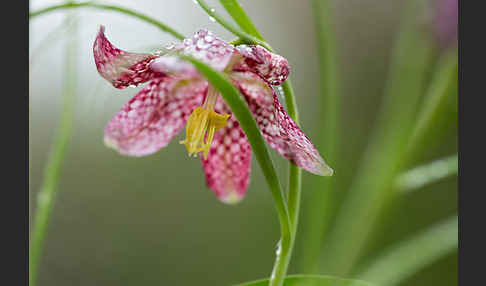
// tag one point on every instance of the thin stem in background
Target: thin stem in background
(47, 194)
(441, 92)
(91, 4)
(320, 206)
(374, 185)
(402, 260)
(293, 200)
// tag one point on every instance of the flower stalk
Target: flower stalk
(284, 251)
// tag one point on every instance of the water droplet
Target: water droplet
(202, 44)
(212, 10)
(212, 19)
(209, 38)
(132, 86)
(195, 2)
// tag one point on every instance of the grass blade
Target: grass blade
(420, 176)
(404, 259)
(311, 280)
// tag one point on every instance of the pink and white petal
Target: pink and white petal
(227, 167)
(203, 45)
(154, 116)
(278, 129)
(271, 67)
(119, 67)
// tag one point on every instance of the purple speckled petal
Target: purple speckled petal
(271, 67)
(227, 167)
(119, 67)
(278, 129)
(155, 115)
(203, 46)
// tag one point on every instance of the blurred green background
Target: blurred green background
(151, 220)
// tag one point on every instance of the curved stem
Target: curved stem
(91, 4)
(240, 109)
(49, 188)
(284, 252)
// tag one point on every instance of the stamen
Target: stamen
(202, 124)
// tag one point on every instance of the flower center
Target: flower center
(202, 124)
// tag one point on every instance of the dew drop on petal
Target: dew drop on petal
(209, 38)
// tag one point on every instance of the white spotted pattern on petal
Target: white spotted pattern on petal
(276, 126)
(227, 167)
(271, 67)
(154, 116)
(203, 46)
(121, 68)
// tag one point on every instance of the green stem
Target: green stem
(320, 206)
(293, 201)
(49, 188)
(284, 252)
(123, 10)
(240, 109)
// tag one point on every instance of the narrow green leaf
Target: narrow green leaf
(240, 109)
(374, 185)
(233, 7)
(430, 173)
(311, 280)
(404, 259)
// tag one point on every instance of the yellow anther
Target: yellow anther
(200, 129)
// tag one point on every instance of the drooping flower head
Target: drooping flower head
(178, 95)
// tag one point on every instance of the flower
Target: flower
(177, 94)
